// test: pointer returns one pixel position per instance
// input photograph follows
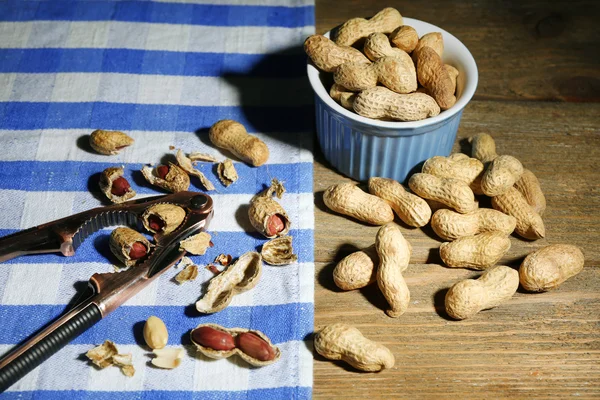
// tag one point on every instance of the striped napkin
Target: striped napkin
(163, 72)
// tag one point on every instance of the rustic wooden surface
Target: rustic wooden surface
(535, 345)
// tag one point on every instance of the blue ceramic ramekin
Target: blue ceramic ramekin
(361, 147)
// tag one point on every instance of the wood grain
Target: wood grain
(525, 50)
(542, 345)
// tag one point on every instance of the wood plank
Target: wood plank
(527, 50)
(545, 344)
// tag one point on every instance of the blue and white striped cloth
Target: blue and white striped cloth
(163, 72)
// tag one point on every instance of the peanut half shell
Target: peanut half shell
(122, 241)
(198, 156)
(176, 180)
(279, 251)
(274, 352)
(227, 173)
(266, 215)
(107, 178)
(189, 273)
(196, 244)
(238, 277)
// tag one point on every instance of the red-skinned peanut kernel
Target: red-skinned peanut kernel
(275, 224)
(138, 250)
(155, 223)
(162, 171)
(213, 338)
(255, 346)
(120, 186)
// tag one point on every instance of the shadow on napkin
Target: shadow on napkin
(275, 96)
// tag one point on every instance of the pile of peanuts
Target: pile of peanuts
(415, 83)
(476, 238)
(131, 247)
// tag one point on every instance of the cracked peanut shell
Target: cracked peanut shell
(186, 164)
(189, 273)
(169, 216)
(238, 277)
(121, 243)
(279, 251)
(102, 355)
(196, 244)
(266, 215)
(108, 176)
(227, 173)
(109, 142)
(176, 180)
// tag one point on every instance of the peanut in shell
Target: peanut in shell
(168, 215)
(273, 353)
(454, 193)
(107, 178)
(479, 251)
(109, 142)
(348, 199)
(266, 215)
(121, 243)
(176, 180)
(529, 223)
(344, 342)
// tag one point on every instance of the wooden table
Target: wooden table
(539, 87)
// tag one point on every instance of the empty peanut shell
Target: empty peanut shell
(279, 251)
(238, 277)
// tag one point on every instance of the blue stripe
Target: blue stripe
(151, 62)
(171, 13)
(82, 176)
(296, 393)
(96, 249)
(281, 323)
(120, 116)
